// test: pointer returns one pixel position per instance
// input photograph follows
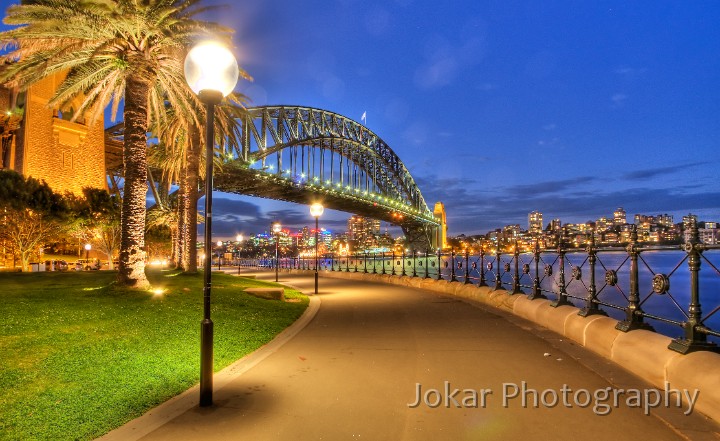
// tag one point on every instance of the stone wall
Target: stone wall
(67, 155)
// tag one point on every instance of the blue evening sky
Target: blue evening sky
(499, 108)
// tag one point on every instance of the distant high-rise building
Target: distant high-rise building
(688, 222)
(666, 220)
(620, 216)
(363, 230)
(535, 222)
(603, 224)
(555, 225)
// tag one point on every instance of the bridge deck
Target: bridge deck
(352, 371)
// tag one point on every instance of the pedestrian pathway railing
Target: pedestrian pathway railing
(645, 287)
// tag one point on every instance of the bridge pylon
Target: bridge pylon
(439, 239)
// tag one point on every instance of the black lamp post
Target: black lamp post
(211, 71)
(316, 210)
(238, 248)
(219, 244)
(277, 228)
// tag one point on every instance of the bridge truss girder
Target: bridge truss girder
(237, 179)
(279, 132)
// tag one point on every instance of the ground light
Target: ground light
(211, 71)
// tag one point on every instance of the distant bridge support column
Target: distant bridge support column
(419, 237)
(440, 240)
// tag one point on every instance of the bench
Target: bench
(267, 293)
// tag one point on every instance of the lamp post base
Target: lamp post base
(206, 363)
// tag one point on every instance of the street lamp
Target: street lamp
(219, 244)
(276, 227)
(211, 71)
(87, 254)
(316, 210)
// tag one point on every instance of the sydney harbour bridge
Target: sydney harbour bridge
(305, 155)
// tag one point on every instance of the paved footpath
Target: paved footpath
(351, 372)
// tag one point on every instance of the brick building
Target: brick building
(42, 142)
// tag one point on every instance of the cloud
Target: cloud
(618, 99)
(486, 87)
(549, 127)
(445, 59)
(630, 72)
(659, 171)
(549, 187)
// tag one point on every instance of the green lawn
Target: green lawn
(80, 356)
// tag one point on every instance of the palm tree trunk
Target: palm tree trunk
(183, 203)
(193, 176)
(132, 237)
(182, 238)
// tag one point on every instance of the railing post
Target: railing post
(365, 271)
(356, 262)
(374, 262)
(332, 261)
(427, 270)
(439, 261)
(482, 267)
(452, 265)
(633, 312)
(347, 263)
(562, 298)
(403, 262)
(591, 305)
(498, 278)
(516, 276)
(467, 267)
(383, 263)
(536, 292)
(694, 339)
(393, 263)
(414, 264)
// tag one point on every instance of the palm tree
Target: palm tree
(111, 50)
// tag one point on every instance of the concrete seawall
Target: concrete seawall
(643, 353)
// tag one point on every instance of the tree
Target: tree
(31, 214)
(112, 51)
(100, 214)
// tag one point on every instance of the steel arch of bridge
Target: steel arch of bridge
(297, 154)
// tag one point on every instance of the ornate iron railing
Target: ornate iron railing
(645, 287)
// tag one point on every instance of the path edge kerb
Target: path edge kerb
(179, 404)
(641, 352)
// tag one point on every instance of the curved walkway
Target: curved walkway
(351, 372)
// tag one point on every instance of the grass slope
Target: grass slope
(80, 356)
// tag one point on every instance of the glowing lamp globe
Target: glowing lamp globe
(316, 209)
(276, 227)
(219, 243)
(87, 247)
(211, 67)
